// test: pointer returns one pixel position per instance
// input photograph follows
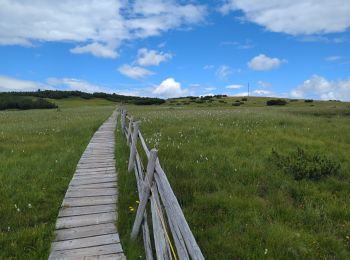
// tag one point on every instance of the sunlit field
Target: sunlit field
(239, 203)
(39, 150)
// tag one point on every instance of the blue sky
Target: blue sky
(168, 48)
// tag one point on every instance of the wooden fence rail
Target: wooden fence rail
(172, 236)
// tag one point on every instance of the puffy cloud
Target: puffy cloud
(12, 84)
(241, 94)
(264, 63)
(320, 88)
(223, 72)
(294, 16)
(234, 86)
(134, 72)
(169, 88)
(151, 57)
(97, 49)
(99, 27)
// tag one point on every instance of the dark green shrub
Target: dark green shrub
(8, 101)
(236, 104)
(149, 101)
(276, 102)
(308, 100)
(244, 99)
(301, 165)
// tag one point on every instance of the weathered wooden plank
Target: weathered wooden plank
(85, 220)
(92, 180)
(86, 210)
(103, 169)
(85, 242)
(90, 193)
(81, 172)
(173, 210)
(89, 201)
(145, 194)
(95, 185)
(94, 176)
(84, 253)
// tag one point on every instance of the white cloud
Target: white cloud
(99, 27)
(264, 63)
(169, 88)
(97, 49)
(234, 86)
(151, 57)
(209, 89)
(12, 84)
(134, 72)
(241, 94)
(294, 16)
(76, 84)
(223, 72)
(320, 88)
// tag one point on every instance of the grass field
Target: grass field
(39, 150)
(238, 203)
(218, 158)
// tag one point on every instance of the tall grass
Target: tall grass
(240, 205)
(39, 150)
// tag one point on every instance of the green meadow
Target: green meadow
(239, 202)
(39, 150)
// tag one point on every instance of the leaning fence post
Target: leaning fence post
(146, 193)
(133, 146)
(123, 120)
(129, 130)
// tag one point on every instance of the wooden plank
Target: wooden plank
(83, 253)
(85, 220)
(95, 186)
(95, 172)
(104, 169)
(89, 201)
(72, 193)
(85, 242)
(76, 182)
(95, 166)
(94, 176)
(86, 210)
(87, 231)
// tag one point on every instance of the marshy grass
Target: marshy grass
(240, 205)
(39, 150)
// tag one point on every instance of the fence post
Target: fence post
(123, 115)
(129, 131)
(133, 146)
(146, 193)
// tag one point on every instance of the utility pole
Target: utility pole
(248, 89)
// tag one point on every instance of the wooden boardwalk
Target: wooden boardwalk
(85, 226)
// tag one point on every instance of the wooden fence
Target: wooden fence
(172, 237)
